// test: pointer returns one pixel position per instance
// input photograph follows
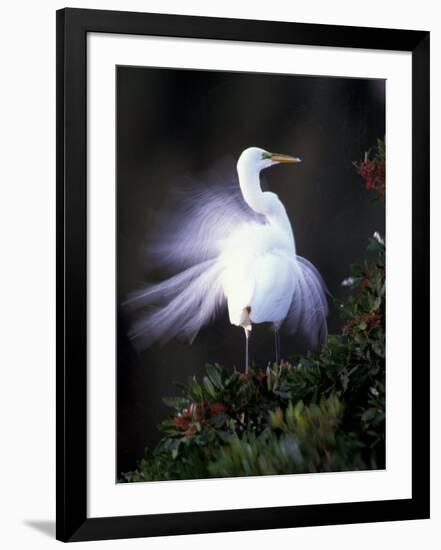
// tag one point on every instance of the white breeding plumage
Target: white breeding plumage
(234, 249)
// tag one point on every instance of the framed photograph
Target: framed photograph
(242, 274)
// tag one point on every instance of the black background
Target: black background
(177, 124)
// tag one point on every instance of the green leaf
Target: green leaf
(175, 402)
(209, 388)
(219, 420)
(215, 376)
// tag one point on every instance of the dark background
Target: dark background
(177, 124)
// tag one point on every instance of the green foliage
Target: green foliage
(311, 414)
(299, 439)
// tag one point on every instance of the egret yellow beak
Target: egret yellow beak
(276, 157)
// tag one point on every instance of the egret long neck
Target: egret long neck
(249, 181)
(267, 204)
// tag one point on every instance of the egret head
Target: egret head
(254, 158)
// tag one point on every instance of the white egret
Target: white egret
(234, 250)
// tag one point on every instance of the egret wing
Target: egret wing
(309, 306)
(200, 216)
(186, 243)
(177, 307)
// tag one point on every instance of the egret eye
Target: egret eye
(266, 155)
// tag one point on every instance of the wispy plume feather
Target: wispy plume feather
(209, 230)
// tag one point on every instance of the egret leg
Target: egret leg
(247, 335)
(277, 343)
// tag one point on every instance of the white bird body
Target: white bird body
(258, 262)
(234, 251)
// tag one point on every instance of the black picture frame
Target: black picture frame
(71, 428)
